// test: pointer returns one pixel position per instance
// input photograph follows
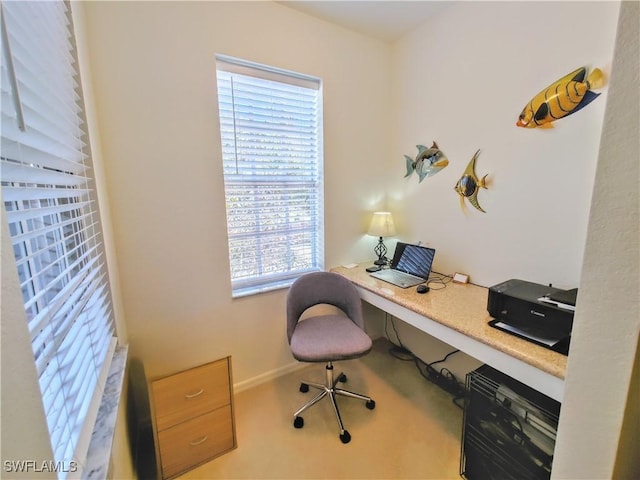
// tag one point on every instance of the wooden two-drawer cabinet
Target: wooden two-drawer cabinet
(193, 416)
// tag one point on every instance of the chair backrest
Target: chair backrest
(322, 288)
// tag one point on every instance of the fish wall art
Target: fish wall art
(428, 162)
(469, 185)
(564, 97)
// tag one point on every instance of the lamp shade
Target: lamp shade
(382, 225)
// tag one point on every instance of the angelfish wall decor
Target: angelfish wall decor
(469, 185)
(428, 161)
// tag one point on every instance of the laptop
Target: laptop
(410, 266)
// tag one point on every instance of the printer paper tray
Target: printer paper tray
(558, 343)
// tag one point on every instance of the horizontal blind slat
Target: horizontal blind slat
(29, 174)
(16, 194)
(33, 213)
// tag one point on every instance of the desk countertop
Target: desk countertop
(461, 307)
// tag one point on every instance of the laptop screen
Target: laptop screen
(413, 259)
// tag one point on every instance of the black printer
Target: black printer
(538, 313)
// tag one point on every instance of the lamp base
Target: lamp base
(381, 251)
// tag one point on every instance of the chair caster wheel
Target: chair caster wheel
(371, 404)
(298, 422)
(304, 388)
(345, 437)
(342, 378)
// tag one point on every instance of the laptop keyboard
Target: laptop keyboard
(399, 277)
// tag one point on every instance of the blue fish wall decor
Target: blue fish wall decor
(428, 162)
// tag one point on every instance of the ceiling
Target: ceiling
(385, 20)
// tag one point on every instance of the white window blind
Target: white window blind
(271, 133)
(52, 211)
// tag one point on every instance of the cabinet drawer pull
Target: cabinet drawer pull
(199, 442)
(194, 395)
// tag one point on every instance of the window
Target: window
(49, 198)
(271, 135)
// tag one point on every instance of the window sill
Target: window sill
(248, 291)
(99, 454)
(267, 286)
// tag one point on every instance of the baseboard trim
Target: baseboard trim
(267, 376)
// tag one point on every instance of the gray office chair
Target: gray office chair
(326, 337)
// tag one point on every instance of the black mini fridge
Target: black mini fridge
(509, 429)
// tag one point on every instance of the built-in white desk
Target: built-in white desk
(457, 315)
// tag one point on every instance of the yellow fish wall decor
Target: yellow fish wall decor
(469, 185)
(564, 97)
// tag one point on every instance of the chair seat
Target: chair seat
(327, 338)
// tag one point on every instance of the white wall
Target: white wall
(607, 324)
(153, 66)
(120, 449)
(462, 80)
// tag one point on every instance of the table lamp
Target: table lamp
(381, 226)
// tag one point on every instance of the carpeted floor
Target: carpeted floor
(413, 433)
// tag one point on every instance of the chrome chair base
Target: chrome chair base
(330, 390)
